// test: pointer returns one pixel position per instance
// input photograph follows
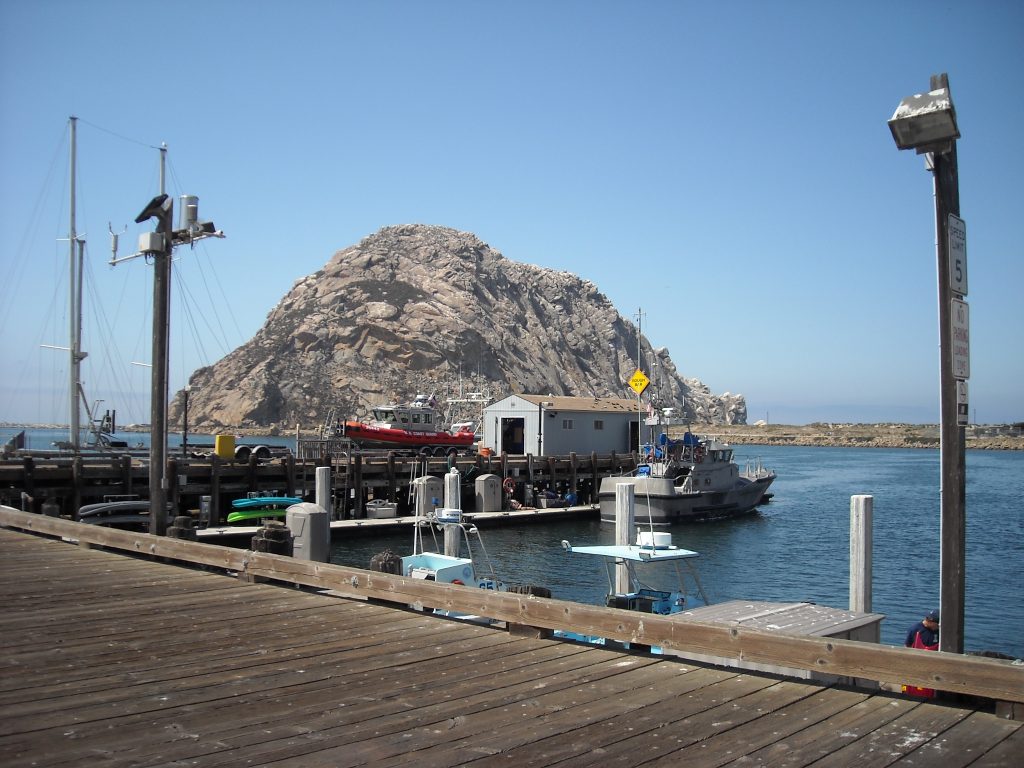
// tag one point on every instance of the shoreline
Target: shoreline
(978, 437)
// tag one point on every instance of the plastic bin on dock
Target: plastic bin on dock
(379, 508)
(224, 446)
(488, 493)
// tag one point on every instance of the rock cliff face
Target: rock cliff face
(411, 309)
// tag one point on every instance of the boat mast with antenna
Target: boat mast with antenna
(159, 246)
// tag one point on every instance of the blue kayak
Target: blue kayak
(265, 502)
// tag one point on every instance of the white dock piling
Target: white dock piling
(323, 489)
(861, 514)
(625, 504)
(453, 490)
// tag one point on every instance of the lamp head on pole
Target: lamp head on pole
(925, 122)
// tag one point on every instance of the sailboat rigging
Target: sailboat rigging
(101, 429)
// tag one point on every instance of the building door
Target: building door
(512, 436)
(634, 436)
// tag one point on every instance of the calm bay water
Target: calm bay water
(797, 547)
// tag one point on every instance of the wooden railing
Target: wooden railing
(989, 678)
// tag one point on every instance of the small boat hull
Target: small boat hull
(370, 436)
(660, 502)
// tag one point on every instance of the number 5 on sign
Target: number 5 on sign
(956, 230)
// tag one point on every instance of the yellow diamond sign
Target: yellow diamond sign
(639, 382)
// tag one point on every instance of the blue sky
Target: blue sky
(725, 166)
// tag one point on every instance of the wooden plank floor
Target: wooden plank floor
(112, 660)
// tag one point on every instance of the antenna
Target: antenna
(113, 242)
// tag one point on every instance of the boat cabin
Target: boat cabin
(411, 417)
(418, 416)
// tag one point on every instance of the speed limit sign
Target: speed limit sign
(957, 235)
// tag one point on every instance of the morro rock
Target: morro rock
(419, 309)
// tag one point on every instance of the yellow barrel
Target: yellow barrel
(224, 446)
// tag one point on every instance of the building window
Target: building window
(598, 424)
(566, 423)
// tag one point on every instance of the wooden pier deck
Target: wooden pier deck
(110, 659)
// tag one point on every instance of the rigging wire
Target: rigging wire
(10, 285)
(117, 135)
(113, 372)
(217, 327)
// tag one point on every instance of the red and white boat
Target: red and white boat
(414, 426)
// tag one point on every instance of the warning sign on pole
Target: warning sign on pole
(639, 382)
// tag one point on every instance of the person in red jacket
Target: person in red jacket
(924, 634)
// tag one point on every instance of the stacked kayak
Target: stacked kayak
(256, 508)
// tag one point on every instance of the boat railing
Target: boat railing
(436, 521)
(312, 449)
(686, 486)
(755, 470)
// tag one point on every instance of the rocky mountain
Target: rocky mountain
(416, 308)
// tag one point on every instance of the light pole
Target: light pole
(927, 123)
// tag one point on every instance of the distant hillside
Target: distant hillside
(978, 437)
(413, 308)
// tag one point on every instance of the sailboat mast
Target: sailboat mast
(74, 308)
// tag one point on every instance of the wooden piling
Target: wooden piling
(126, 475)
(357, 487)
(215, 516)
(392, 480)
